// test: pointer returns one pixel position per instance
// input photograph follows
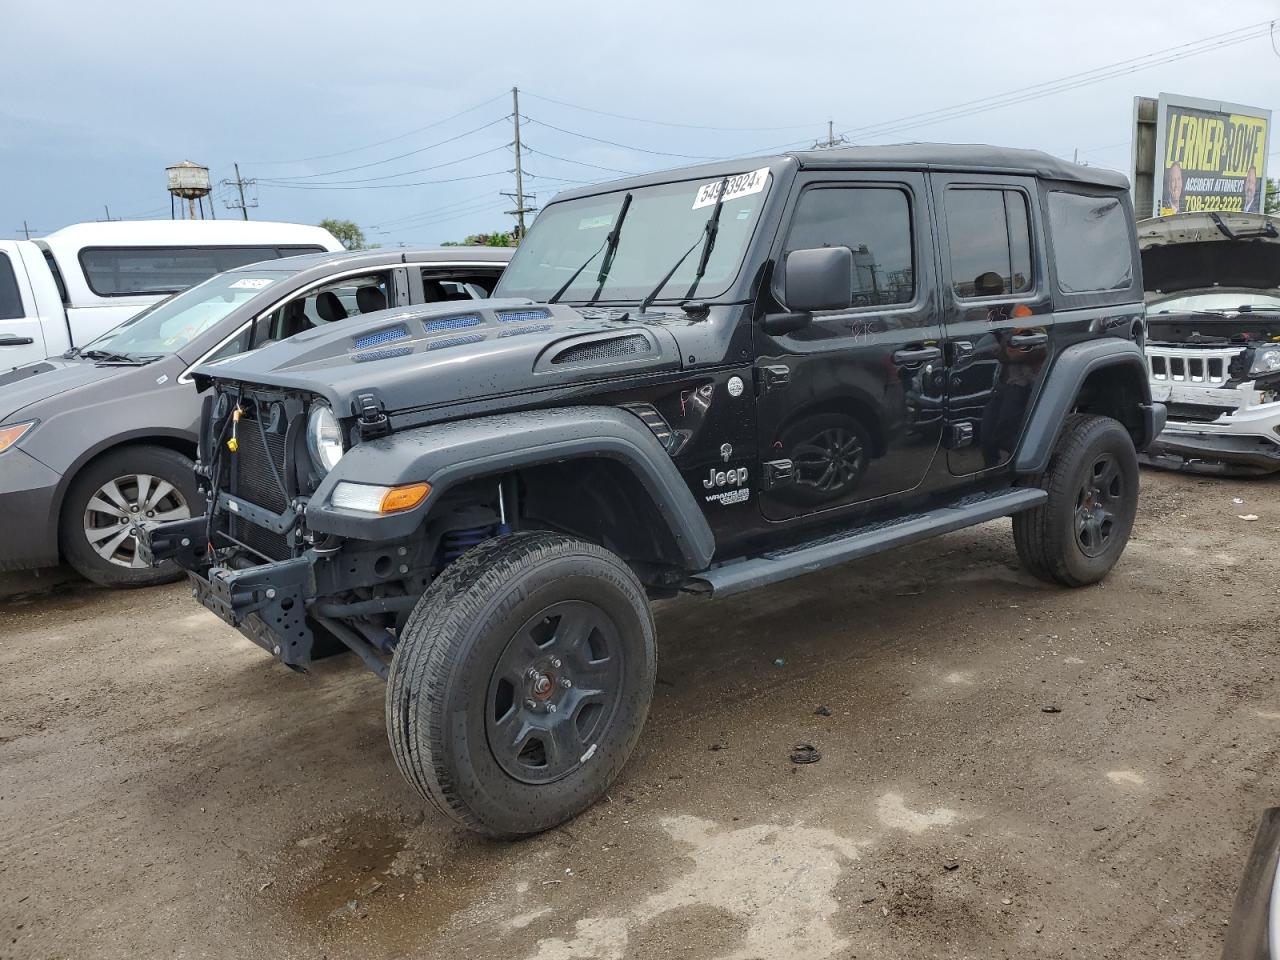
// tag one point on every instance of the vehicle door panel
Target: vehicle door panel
(854, 399)
(998, 314)
(21, 327)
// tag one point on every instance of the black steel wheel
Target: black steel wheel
(521, 681)
(1099, 504)
(1078, 534)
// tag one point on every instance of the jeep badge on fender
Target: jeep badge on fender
(540, 470)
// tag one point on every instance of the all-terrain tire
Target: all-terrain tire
(89, 511)
(506, 599)
(1064, 541)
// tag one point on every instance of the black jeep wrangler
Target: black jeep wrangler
(700, 381)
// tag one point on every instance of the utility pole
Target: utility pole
(107, 211)
(239, 183)
(832, 140)
(520, 209)
(26, 229)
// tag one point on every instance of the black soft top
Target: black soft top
(969, 157)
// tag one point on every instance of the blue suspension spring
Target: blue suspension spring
(457, 542)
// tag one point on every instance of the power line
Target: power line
(442, 208)
(401, 156)
(446, 218)
(668, 123)
(385, 186)
(392, 176)
(581, 163)
(614, 143)
(370, 146)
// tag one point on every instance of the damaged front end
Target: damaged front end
(1213, 341)
(253, 559)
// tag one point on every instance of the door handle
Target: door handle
(1024, 340)
(913, 356)
(9, 340)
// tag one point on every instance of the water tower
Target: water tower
(189, 181)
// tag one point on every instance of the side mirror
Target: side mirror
(820, 278)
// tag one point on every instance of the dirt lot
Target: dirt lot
(166, 791)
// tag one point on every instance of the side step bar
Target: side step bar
(738, 576)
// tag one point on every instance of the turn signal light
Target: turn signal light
(404, 498)
(10, 435)
(371, 498)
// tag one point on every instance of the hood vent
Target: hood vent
(452, 323)
(517, 316)
(597, 350)
(379, 337)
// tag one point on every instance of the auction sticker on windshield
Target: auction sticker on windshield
(250, 283)
(742, 185)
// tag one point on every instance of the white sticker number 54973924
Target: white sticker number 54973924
(741, 185)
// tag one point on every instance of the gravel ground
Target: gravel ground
(1007, 770)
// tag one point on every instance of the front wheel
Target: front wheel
(1076, 537)
(521, 681)
(115, 496)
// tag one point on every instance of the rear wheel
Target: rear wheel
(521, 681)
(111, 499)
(1077, 536)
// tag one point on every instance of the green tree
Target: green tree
(1271, 200)
(346, 233)
(498, 239)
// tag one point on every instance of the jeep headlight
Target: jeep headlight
(324, 438)
(1265, 360)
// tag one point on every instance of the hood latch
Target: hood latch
(373, 422)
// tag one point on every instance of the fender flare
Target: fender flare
(1058, 395)
(447, 454)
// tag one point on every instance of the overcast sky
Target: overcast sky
(100, 97)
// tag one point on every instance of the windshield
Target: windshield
(662, 222)
(168, 326)
(1217, 303)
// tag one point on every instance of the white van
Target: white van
(66, 289)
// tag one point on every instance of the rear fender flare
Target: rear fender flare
(1061, 390)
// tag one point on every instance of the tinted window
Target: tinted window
(129, 271)
(873, 222)
(1090, 243)
(10, 298)
(989, 235)
(57, 276)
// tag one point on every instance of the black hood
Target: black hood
(451, 352)
(1205, 252)
(23, 387)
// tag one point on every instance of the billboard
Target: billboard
(1209, 156)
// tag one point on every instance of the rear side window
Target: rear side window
(57, 276)
(873, 222)
(1091, 245)
(10, 298)
(989, 235)
(132, 271)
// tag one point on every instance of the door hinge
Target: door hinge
(777, 473)
(773, 377)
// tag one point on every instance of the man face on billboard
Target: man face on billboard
(1251, 191)
(1173, 188)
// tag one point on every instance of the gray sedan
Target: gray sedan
(100, 441)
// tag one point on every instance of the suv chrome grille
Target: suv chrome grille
(1194, 366)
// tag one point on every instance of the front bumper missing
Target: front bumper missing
(1214, 453)
(266, 603)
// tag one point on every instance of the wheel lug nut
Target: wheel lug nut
(551, 708)
(555, 663)
(531, 705)
(533, 673)
(566, 682)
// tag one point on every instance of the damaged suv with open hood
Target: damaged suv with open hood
(1213, 340)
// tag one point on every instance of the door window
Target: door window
(989, 235)
(10, 298)
(873, 222)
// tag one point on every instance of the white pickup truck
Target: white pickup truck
(66, 289)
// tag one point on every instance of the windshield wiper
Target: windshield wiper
(610, 248)
(708, 242)
(110, 356)
(610, 245)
